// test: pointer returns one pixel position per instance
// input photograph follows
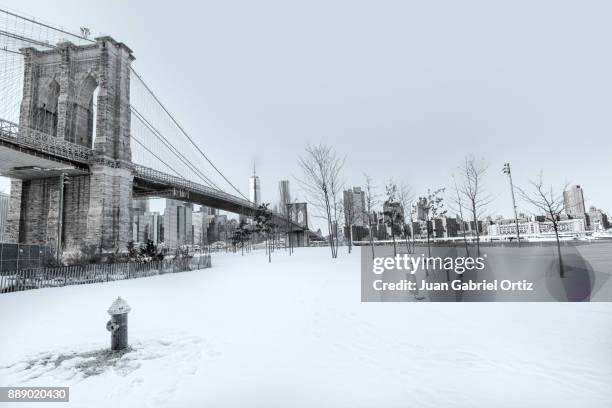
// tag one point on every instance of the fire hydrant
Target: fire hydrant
(118, 324)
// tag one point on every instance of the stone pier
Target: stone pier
(80, 94)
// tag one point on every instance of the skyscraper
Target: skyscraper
(201, 221)
(178, 228)
(573, 200)
(284, 196)
(254, 189)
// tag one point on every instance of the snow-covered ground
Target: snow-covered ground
(295, 334)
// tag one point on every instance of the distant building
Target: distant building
(421, 213)
(393, 208)
(449, 227)
(4, 204)
(506, 229)
(254, 189)
(441, 227)
(284, 196)
(598, 220)
(141, 205)
(178, 223)
(201, 221)
(219, 229)
(573, 201)
(147, 226)
(354, 206)
(209, 210)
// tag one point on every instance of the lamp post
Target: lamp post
(64, 179)
(506, 170)
(289, 216)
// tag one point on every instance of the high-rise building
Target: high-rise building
(201, 221)
(573, 200)
(284, 196)
(147, 226)
(140, 205)
(178, 223)
(254, 189)
(598, 220)
(4, 204)
(209, 210)
(354, 206)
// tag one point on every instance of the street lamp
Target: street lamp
(506, 170)
(64, 179)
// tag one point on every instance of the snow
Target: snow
(246, 333)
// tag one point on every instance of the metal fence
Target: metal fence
(20, 256)
(36, 278)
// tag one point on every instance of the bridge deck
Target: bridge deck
(31, 154)
(151, 182)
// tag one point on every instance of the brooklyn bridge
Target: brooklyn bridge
(82, 135)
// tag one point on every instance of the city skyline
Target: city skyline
(448, 85)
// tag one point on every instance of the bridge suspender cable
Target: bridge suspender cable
(156, 156)
(172, 148)
(185, 133)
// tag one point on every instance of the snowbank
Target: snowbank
(294, 333)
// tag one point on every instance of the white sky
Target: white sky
(403, 89)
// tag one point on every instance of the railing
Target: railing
(157, 176)
(37, 278)
(40, 141)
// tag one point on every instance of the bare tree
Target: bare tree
(336, 189)
(458, 204)
(371, 200)
(351, 216)
(432, 207)
(551, 203)
(474, 191)
(405, 199)
(321, 168)
(391, 210)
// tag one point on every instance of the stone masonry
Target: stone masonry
(58, 99)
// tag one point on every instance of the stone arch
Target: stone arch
(83, 112)
(45, 110)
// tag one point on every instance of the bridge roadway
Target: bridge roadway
(32, 154)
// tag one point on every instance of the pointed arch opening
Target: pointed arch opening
(82, 126)
(45, 115)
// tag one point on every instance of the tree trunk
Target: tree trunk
(428, 246)
(371, 238)
(467, 250)
(269, 249)
(406, 240)
(474, 213)
(393, 236)
(561, 271)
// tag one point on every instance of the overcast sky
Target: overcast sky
(403, 89)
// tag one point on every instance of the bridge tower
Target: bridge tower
(80, 94)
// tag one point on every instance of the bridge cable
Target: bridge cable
(185, 133)
(172, 148)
